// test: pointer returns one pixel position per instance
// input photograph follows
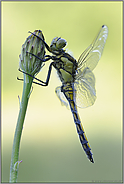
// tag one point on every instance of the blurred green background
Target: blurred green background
(50, 149)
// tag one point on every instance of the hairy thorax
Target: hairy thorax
(66, 68)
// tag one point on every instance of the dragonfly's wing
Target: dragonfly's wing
(90, 57)
(61, 97)
(85, 80)
(85, 88)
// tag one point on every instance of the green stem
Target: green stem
(17, 137)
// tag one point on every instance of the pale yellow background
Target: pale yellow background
(50, 149)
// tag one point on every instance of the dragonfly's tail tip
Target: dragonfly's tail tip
(90, 157)
(92, 160)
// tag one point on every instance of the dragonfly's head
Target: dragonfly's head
(57, 44)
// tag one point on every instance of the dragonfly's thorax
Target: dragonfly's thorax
(66, 67)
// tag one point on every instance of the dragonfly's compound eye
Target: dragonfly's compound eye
(60, 43)
(54, 41)
(57, 43)
(53, 44)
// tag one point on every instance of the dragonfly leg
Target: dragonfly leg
(46, 45)
(33, 81)
(32, 77)
(43, 60)
(20, 79)
(41, 82)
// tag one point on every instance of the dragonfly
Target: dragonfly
(78, 80)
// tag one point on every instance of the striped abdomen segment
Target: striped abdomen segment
(69, 94)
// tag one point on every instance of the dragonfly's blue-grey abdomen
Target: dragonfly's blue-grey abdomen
(81, 133)
(84, 143)
(68, 91)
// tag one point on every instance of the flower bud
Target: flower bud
(29, 63)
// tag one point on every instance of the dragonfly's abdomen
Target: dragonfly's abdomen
(84, 141)
(69, 94)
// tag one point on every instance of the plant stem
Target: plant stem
(17, 137)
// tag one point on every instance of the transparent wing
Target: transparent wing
(90, 57)
(61, 97)
(85, 79)
(85, 88)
